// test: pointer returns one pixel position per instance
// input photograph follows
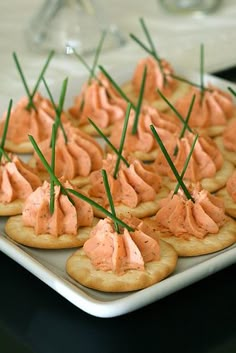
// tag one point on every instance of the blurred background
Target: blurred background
(177, 38)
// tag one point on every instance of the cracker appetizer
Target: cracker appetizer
(67, 226)
(212, 111)
(194, 226)
(135, 189)
(17, 182)
(98, 100)
(206, 163)
(17, 179)
(76, 155)
(160, 76)
(190, 218)
(139, 141)
(227, 142)
(228, 194)
(33, 114)
(123, 261)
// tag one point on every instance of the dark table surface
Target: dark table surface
(200, 318)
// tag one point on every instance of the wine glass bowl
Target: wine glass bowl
(67, 25)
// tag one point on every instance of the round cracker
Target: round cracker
(144, 209)
(195, 246)
(160, 104)
(79, 267)
(229, 155)
(15, 229)
(88, 128)
(140, 155)
(11, 209)
(211, 131)
(78, 181)
(215, 130)
(210, 184)
(23, 147)
(230, 205)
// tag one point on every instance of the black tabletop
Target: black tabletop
(200, 318)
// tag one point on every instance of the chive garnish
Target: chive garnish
(109, 196)
(176, 77)
(142, 45)
(47, 166)
(30, 103)
(4, 134)
(116, 86)
(186, 164)
(3, 153)
(171, 164)
(149, 39)
(185, 124)
(42, 73)
(53, 145)
(188, 117)
(232, 91)
(174, 109)
(84, 63)
(140, 100)
(99, 207)
(95, 61)
(31, 95)
(59, 109)
(202, 71)
(68, 191)
(122, 140)
(97, 53)
(108, 141)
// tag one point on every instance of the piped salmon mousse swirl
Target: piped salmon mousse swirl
(229, 139)
(111, 251)
(231, 186)
(17, 180)
(76, 157)
(212, 108)
(66, 218)
(183, 217)
(133, 185)
(205, 161)
(100, 102)
(24, 122)
(158, 77)
(143, 143)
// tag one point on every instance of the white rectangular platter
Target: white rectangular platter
(49, 265)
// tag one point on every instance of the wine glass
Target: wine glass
(67, 25)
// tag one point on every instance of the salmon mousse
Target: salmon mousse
(135, 190)
(119, 262)
(142, 144)
(194, 226)
(159, 77)
(68, 226)
(100, 102)
(17, 182)
(206, 163)
(75, 157)
(228, 195)
(35, 121)
(212, 110)
(227, 142)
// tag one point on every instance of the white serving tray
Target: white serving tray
(49, 265)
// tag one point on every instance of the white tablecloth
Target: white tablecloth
(177, 38)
